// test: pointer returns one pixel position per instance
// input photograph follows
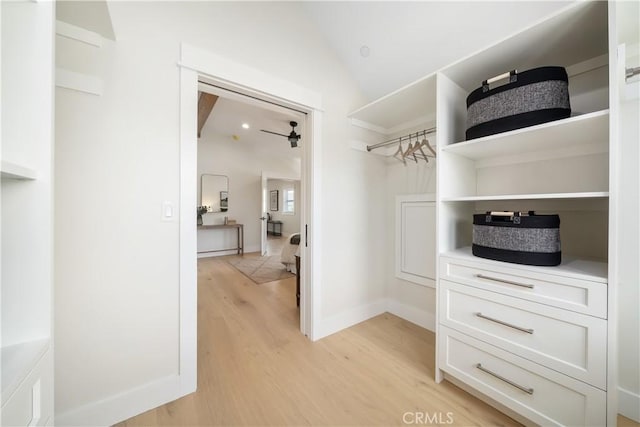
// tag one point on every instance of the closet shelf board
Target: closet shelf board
(574, 133)
(17, 362)
(582, 269)
(542, 196)
(15, 171)
(406, 105)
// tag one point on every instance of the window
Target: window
(288, 201)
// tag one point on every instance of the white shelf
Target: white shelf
(18, 361)
(406, 106)
(543, 196)
(582, 269)
(15, 171)
(577, 134)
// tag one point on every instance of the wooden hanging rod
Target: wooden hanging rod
(399, 139)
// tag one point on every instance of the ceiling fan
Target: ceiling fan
(293, 137)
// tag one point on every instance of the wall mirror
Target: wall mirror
(214, 192)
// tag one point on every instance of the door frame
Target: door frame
(253, 83)
(265, 177)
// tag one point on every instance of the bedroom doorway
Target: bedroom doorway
(241, 139)
(197, 65)
(281, 217)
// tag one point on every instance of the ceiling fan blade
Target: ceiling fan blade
(275, 133)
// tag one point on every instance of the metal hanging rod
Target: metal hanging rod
(399, 139)
(630, 72)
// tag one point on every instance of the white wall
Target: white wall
(243, 164)
(117, 160)
(290, 222)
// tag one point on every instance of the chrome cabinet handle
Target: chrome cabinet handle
(482, 316)
(508, 282)
(527, 390)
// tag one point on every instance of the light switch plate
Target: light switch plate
(168, 211)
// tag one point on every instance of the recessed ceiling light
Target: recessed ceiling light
(245, 126)
(364, 51)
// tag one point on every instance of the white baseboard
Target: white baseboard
(629, 404)
(414, 315)
(349, 318)
(122, 406)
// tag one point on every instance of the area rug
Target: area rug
(261, 269)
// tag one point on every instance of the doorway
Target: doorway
(253, 85)
(280, 218)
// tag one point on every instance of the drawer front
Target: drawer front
(572, 343)
(581, 296)
(542, 395)
(32, 402)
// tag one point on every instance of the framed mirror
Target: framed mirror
(214, 192)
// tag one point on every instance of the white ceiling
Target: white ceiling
(409, 40)
(406, 41)
(227, 117)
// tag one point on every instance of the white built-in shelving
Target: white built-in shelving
(411, 105)
(561, 167)
(557, 167)
(562, 164)
(27, 212)
(585, 133)
(541, 196)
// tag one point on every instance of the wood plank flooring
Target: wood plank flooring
(255, 368)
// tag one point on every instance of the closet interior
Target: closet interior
(561, 167)
(397, 123)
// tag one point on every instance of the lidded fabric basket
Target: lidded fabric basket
(529, 98)
(521, 238)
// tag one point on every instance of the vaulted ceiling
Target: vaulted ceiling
(389, 44)
(384, 44)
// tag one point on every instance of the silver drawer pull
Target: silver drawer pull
(482, 316)
(508, 282)
(527, 390)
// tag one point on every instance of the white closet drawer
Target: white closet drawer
(568, 342)
(531, 283)
(542, 395)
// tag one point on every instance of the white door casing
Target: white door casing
(197, 63)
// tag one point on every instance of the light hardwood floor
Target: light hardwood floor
(255, 368)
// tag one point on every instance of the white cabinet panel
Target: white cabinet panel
(416, 239)
(567, 342)
(557, 286)
(542, 395)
